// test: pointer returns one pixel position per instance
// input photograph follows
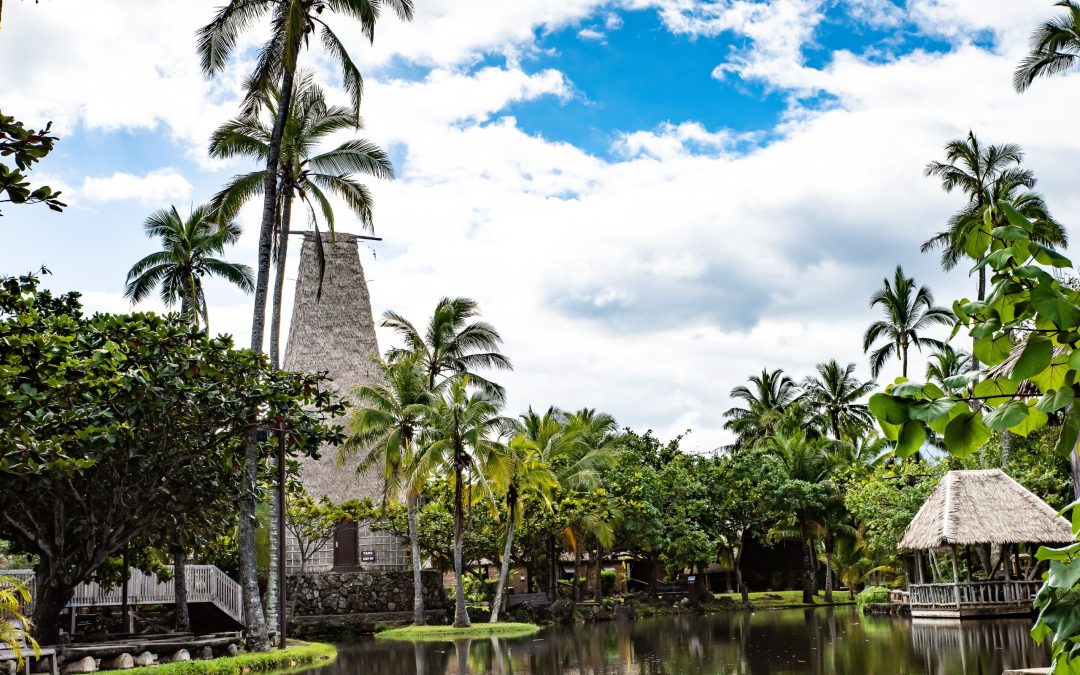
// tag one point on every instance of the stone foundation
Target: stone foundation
(337, 593)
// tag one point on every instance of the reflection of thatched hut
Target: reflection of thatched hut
(334, 332)
(977, 514)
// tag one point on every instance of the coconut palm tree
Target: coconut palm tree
(986, 174)
(520, 473)
(386, 422)
(1055, 47)
(451, 343)
(947, 362)
(304, 172)
(188, 253)
(909, 310)
(769, 393)
(460, 433)
(834, 393)
(292, 25)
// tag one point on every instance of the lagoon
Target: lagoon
(797, 642)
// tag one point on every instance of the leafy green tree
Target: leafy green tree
(452, 343)
(188, 250)
(460, 432)
(520, 472)
(140, 404)
(304, 172)
(769, 394)
(26, 147)
(1055, 47)
(386, 422)
(835, 393)
(909, 310)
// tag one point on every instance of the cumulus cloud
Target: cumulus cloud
(157, 187)
(591, 34)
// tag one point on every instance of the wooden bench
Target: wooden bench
(26, 653)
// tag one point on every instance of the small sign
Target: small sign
(692, 578)
(367, 556)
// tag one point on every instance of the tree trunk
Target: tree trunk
(808, 572)
(254, 620)
(743, 589)
(461, 612)
(1006, 448)
(52, 595)
(598, 594)
(183, 618)
(1074, 465)
(904, 359)
(504, 569)
(652, 576)
(279, 276)
(553, 577)
(836, 425)
(577, 571)
(414, 551)
(828, 572)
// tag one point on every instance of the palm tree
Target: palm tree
(522, 473)
(451, 343)
(188, 250)
(293, 23)
(908, 311)
(806, 468)
(303, 172)
(834, 393)
(460, 433)
(770, 392)
(863, 451)
(1055, 47)
(947, 362)
(386, 422)
(987, 174)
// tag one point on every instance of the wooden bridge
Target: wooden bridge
(206, 586)
(972, 598)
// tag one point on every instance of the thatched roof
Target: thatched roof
(983, 507)
(334, 333)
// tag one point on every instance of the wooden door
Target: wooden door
(346, 547)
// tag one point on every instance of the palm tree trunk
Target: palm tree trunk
(1006, 448)
(836, 425)
(743, 589)
(279, 277)
(577, 571)
(828, 571)
(504, 569)
(254, 620)
(183, 617)
(808, 571)
(904, 359)
(553, 577)
(461, 612)
(414, 550)
(598, 594)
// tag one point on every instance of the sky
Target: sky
(650, 199)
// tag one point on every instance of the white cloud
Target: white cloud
(591, 34)
(157, 187)
(670, 140)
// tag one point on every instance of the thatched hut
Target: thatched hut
(333, 331)
(976, 514)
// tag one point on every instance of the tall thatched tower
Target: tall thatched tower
(334, 332)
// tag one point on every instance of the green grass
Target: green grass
(785, 599)
(447, 633)
(296, 656)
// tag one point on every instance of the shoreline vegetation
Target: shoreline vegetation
(296, 656)
(446, 633)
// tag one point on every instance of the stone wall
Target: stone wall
(330, 593)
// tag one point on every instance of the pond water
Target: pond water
(822, 640)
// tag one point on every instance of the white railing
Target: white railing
(972, 593)
(205, 583)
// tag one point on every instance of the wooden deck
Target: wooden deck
(970, 599)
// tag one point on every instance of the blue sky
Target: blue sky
(651, 199)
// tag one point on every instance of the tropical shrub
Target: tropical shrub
(872, 595)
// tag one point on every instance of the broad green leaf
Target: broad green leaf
(995, 391)
(1034, 358)
(889, 408)
(907, 389)
(1065, 553)
(1063, 574)
(1033, 272)
(965, 434)
(1009, 233)
(889, 431)
(1074, 360)
(1015, 217)
(912, 436)
(1036, 419)
(932, 391)
(961, 381)
(977, 242)
(1053, 377)
(1008, 415)
(1048, 256)
(991, 350)
(1052, 304)
(1055, 399)
(988, 327)
(928, 411)
(940, 424)
(1070, 430)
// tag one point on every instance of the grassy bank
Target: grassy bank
(296, 655)
(446, 633)
(783, 599)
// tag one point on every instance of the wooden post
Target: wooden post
(1005, 561)
(956, 578)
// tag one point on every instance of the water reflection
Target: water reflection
(799, 642)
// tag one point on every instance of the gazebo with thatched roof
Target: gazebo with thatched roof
(981, 520)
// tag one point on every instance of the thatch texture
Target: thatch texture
(983, 507)
(334, 332)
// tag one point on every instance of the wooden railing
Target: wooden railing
(972, 593)
(205, 583)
